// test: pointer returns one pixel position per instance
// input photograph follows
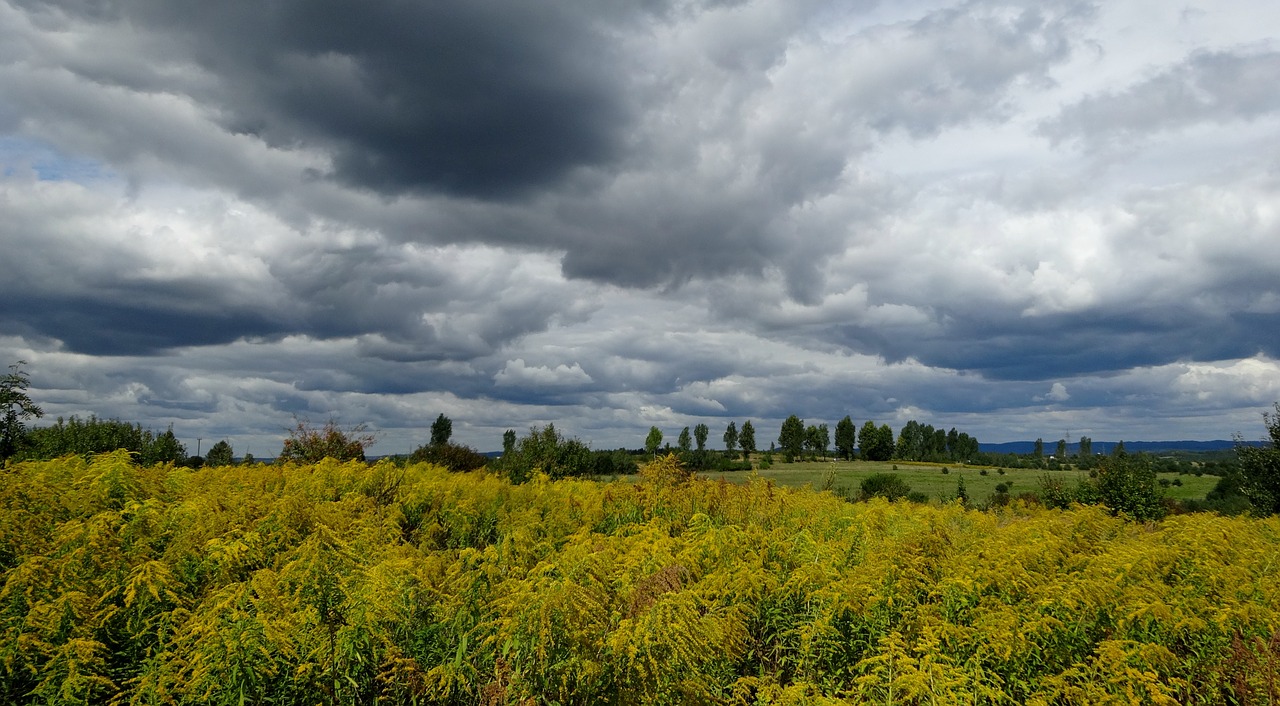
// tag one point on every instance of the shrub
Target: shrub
(884, 485)
(455, 457)
(306, 444)
(945, 470)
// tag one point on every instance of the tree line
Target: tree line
(1251, 483)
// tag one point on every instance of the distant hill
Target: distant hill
(1105, 447)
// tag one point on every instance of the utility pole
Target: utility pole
(198, 440)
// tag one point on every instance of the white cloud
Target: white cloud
(517, 373)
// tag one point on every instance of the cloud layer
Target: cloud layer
(1022, 219)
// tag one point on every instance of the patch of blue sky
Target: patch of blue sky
(20, 155)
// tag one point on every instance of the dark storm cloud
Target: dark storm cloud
(482, 99)
(136, 324)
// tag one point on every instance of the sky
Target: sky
(1048, 218)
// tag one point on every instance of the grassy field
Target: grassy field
(930, 480)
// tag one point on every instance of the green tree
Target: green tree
(747, 439)
(17, 408)
(545, 450)
(730, 439)
(1127, 485)
(1086, 446)
(700, 433)
(911, 442)
(876, 442)
(1260, 467)
(84, 437)
(164, 448)
(684, 441)
(1038, 450)
(1062, 449)
(1119, 449)
(846, 438)
(653, 441)
(791, 438)
(508, 441)
(441, 430)
(817, 439)
(219, 454)
(306, 444)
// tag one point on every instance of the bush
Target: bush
(545, 450)
(455, 457)
(945, 470)
(885, 485)
(306, 444)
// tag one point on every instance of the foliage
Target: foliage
(164, 448)
(1124, 484)
(875, 442)
(614, 463)
(306, 444)
(1259, 475)
(455, 457)
(747, 439)
(817, 439)
(700, 433)
(220, 454)
(791, 438)
(653, 441)
(889, 486)
(86, 437)
(16, 409)
(441, 430)
(356, 583)
(546, 451)
(1127, 484)
(684, 442)
(921, 442)
(731, 438)
(846, 438)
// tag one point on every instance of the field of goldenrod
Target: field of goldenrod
(356, 583)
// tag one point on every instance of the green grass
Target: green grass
(929, 479)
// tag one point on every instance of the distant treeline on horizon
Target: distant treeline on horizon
(1106, 447)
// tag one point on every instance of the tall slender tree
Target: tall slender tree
(747, 439)
(791, 437)
(730, 439)
(846, 438)
(441, 430)
(700, 432)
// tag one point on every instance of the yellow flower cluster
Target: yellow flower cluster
(357, 583)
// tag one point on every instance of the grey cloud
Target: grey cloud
(1208, 86)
